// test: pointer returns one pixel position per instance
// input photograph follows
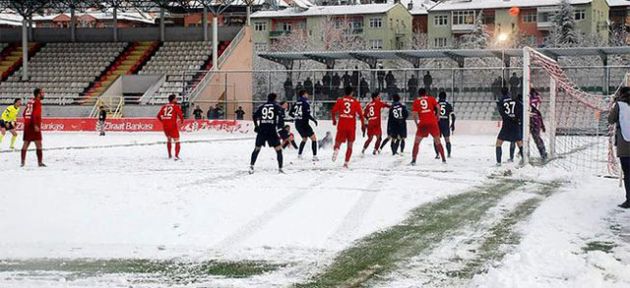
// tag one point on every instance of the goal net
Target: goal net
(572, 127)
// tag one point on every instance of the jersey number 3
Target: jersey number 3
(348, 107)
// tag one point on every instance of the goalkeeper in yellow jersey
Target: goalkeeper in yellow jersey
(8, 121)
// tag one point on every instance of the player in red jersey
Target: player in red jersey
(372, 113)
(33, 126)
(348, 109)
(169, 115)
(426, 110)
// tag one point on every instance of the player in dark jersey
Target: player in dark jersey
(446, 123)
(396, 125)
(301, 113)
(511, 111)
(267, 119)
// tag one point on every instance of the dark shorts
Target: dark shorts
(510, 132)
(397, 130)
(304, 129)
(445, 129)
(269, 137)
(6, 125)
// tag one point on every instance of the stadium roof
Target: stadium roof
(488, 4)
(327, 11)
(28, 7)
(455, 54)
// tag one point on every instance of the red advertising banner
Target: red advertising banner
(138, 125)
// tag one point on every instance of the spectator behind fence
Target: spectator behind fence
(198, 113)
(218, 112)
(347, 80)
(318, 89)
(620, 115)
(514, 83)
(288, 89)
(380, 76)
(427, 81)
(364, 87)
(210, 112)
(412, 86)
(308, 85)
(355, 77)
(240, 113)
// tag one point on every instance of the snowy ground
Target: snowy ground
(118, 197)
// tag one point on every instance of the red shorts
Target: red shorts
(374, 130)
(427, 129)
(30, 134)
(345, 134)
(171, 131)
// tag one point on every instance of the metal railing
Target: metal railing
(196, 90)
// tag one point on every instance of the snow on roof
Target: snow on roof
(420, 7)
(488, 4)
(105, 15)
(12, 19)
(327, 11)
(301, 3)
(616, 3)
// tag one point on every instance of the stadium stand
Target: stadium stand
(129, 62)
(174, 59)
(63, 70)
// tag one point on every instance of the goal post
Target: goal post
(577, 135)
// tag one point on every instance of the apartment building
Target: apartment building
(451, 19)
(382, 26)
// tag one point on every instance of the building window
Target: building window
(287, 26)
(439, 42)
(440, 20)
(580, 14)
(376, 22)
(530, 17)
(376, 44)
(463, 17)
(260, 26)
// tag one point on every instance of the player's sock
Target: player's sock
(168, 147)
(440, 149)
(378, 143)
(279, 156)
(520, 151)
(402, 145)
(13, 138)
(367, 143)
(294, 144)
(40, 156)
(498, 152)
(348, 153)
(177, 148)
(254, 157)
(384, 143)
(448, 148)
(314, 147)
(395, 146)
(302, 144)
(512, 148)
(414, 153)
(23, 156)
(435, 147)
(1, 138)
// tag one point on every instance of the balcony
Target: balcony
(463, 28)
(548, 25)
(278, 33)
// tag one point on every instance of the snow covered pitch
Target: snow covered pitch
(114, 212)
